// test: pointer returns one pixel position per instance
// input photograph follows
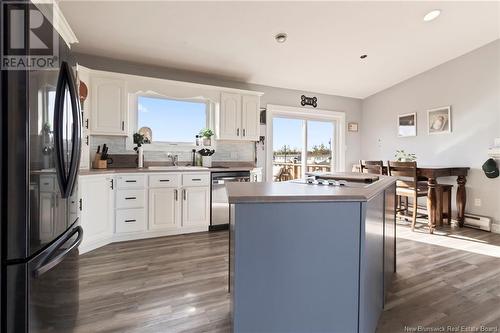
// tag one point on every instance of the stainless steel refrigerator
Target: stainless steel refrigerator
(40, 153)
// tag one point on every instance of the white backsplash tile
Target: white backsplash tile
(224, 151)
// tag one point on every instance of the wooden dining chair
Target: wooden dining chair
(407, 185)
(375, 167)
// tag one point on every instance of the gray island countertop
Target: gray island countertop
(311, 258)
(299, 192)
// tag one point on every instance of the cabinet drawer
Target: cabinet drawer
(164, 180)
(130, 220)
(47, 184)
(131, 181)
(196, 179)
(130, 198)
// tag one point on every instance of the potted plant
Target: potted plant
(402, 156)
(139, 141)
(206, 134)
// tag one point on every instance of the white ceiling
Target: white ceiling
(236, 39)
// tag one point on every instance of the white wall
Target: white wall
(471, 85)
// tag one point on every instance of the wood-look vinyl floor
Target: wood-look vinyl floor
(167, 284)
(448, 280)
(179, 283)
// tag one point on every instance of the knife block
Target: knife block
(98, 163)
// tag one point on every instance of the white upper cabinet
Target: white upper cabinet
(109, 106)
(250, 118)
(230, 117)
(238, 117)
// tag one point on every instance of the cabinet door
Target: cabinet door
(97, 207)
(195, 206)
(85, 154)
(164, 208)
(250, 116)
(230, 117)
(109, 106)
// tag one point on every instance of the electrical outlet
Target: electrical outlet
(477, 202)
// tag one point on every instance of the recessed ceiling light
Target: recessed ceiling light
(432, 15)
(281, 37)
(363, 56)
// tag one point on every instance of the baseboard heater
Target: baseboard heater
(478, 222)
(470, 220)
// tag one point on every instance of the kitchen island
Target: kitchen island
(310, 258)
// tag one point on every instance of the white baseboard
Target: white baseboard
(88, 246)
(91, 245)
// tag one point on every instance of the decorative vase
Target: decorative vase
(207, 141)
(140, 157)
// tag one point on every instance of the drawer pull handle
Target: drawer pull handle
(130, 181)
(196, 179)
(46, 184)
(130, 221)
(175, 194)
(130, 198)
(164, 180)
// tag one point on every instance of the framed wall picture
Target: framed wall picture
(439, 120)
(407, 125)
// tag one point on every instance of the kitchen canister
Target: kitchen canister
(140, 157)
(206, 161)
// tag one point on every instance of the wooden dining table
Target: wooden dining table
(431, 174)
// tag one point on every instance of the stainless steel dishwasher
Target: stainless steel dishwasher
(220, 206)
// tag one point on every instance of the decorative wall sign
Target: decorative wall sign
(304, 100)
(352, 127)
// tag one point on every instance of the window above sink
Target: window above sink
(171, 121)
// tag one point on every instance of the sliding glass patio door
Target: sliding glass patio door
(300, 145)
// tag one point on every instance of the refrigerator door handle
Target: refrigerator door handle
(58, 133)
(45, 266)
(77, 130)
(66, 79)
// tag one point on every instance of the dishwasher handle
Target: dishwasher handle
(223, 180)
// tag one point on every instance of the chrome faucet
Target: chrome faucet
(174, 158)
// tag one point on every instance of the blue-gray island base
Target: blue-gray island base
(310, 266)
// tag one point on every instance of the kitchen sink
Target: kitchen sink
(177, 168)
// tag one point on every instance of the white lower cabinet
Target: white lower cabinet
(164, 209)
(130, 220)
(130, 204)
(134, 206)
(180, 204)
(96, 210)
(196, 206)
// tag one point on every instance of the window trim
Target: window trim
(305, 114)
(161, 145)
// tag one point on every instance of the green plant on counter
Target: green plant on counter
(139, 140)
(207, 133)
(402, 156)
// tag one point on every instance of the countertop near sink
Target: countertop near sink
(157, 170)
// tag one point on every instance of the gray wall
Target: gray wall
(272, 95)
(471, 85)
